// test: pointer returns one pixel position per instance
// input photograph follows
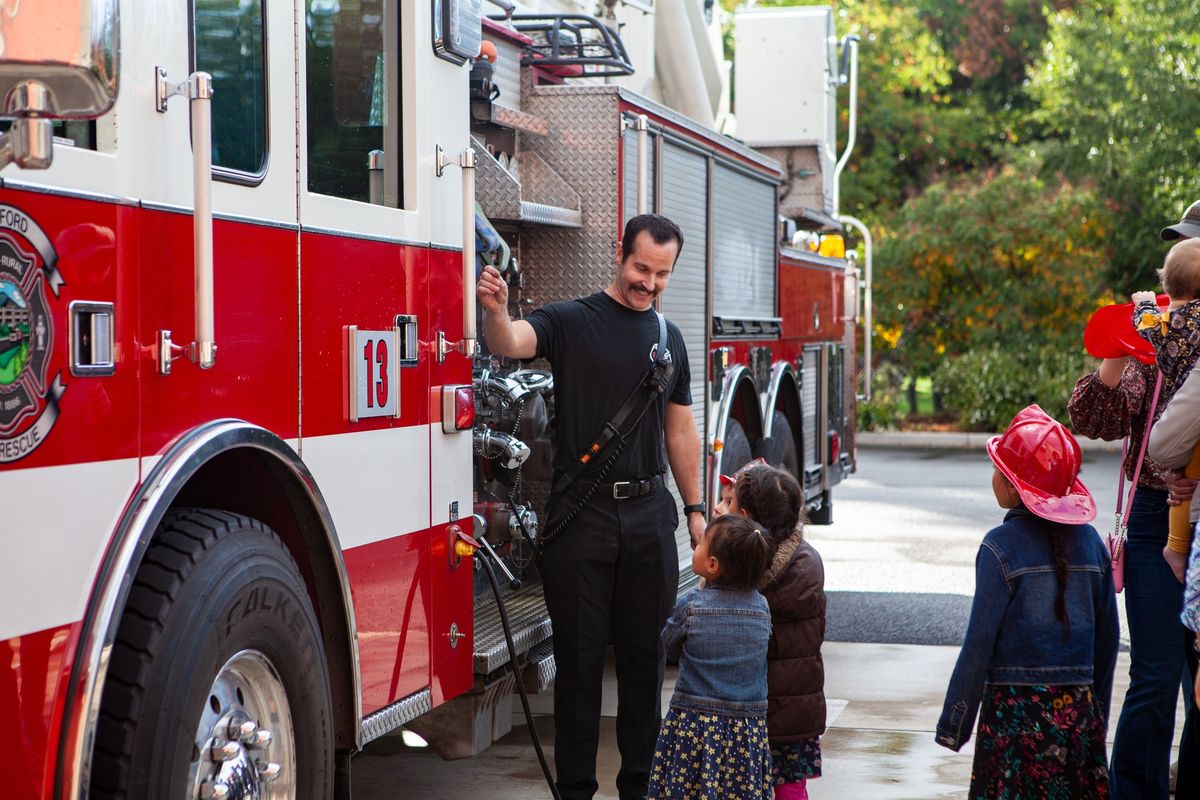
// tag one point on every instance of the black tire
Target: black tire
(780, 448)
(213, 587)
(736, 451)
(824, 514)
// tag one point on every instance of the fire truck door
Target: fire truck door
(255, 375)
(380, 277)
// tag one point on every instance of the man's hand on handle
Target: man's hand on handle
(492, 290)
(503, 336)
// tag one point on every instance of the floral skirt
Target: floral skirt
(796, 761)
(1039, 743)
(703, 756)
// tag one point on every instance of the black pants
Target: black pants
(612, 575)
(1188, 778)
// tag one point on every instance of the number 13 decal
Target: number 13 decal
(372, 374)
(377, 389)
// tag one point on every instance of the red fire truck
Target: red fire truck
(249, 442)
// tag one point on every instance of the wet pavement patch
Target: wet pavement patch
(897, 618)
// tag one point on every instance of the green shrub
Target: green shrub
(987, 387)
(888, 405)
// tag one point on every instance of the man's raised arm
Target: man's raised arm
(503, 336)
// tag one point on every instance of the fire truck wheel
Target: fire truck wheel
(736, 452)
(217, 684)
(780, 448)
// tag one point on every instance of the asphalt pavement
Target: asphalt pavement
(899, 572)
(900, 556)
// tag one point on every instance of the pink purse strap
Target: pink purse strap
(1137, 469)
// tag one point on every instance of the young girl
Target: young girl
(713, 741)
(794, 585)
(1042, 641)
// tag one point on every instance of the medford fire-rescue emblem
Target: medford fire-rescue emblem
(28, 401)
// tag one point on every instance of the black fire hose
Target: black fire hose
(512, 665)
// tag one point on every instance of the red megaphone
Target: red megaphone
(1110, 333)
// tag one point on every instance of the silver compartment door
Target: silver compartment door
(810, 412)
(745, 262)
(685, 200)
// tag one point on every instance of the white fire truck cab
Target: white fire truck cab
(249, 439)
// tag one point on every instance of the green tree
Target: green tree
(942, 92)
(1116, 84)
(1005, 259)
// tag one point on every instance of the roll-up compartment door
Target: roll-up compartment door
(838, 418)
(810, 412)
(745, 262)
(685, 200)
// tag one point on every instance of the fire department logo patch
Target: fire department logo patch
(28, 274)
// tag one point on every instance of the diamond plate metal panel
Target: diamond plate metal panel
(541, 214)
(541, 184)
(389, 718)
(496, 189)
(526, 123)
(582, 149)
(508, 71)
(540, 668)
(528, 192)
(527, 616)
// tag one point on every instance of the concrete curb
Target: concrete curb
(956, 440)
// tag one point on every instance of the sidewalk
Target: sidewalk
(884, 702)
(957, 440)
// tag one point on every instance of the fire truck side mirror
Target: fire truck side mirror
(51, 69)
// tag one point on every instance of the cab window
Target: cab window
(353, 100)
(229, 36)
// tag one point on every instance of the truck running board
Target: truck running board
(527, 616)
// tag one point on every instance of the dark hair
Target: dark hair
(772, 496)
(661, 230)
(1059, 546)
(740, 545)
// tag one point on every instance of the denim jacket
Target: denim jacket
(720, 637)
(1014, 637)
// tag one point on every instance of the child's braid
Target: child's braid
(1058, 542)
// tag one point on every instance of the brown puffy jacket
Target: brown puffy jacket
(794, 586)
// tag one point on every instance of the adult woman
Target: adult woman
(1109, 404)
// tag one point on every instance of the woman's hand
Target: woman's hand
(1179, 488)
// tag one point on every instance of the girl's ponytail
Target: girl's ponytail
(773, 497)
(1059, 546)
(741, 547)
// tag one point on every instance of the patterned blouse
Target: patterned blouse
(1177, 347)
(1100, 412)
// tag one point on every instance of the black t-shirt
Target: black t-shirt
(599, 350)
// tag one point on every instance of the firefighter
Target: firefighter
(610, 567)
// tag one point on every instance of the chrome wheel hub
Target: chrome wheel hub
(245, 748)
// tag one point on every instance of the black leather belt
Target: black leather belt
(624, 490)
